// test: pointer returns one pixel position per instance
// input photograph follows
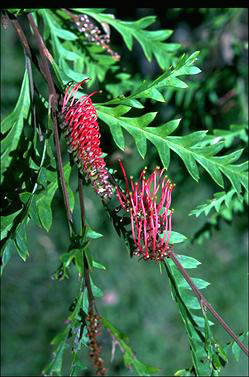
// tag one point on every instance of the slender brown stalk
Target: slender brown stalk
(94, 325)
(25, 44)
(205, 304)
(86, 266)
(53, 100)
(82, 207)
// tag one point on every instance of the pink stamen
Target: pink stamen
(125, 177)
(149, 219)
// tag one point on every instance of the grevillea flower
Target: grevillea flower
(83, 138)
(148, 204)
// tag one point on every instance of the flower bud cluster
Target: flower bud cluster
(93, 330)
(93, 34)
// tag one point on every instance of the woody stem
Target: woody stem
(86, 265)
(53, 97)
(204, 303)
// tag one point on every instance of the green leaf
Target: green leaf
(152, 42)
(21, 242)
(74, 316)
(137, 127)
(187, 262)
(61, 337)
(76, 256)
(67, 172)
(186, 147)
(234, 346)
(55, 366)
(175, 237)
(98, 265)
(14, 123)
(166, 80)
(236, 349)
(200, 283)
(43, 203)
(8, 249)
(198, 339)
(90, 233)
(7, 222)
(64, 34)
(183, 372)
(215, 203)
(229, 135)
(21, 108)
(130, 359)
(85, 303)
(97, 292)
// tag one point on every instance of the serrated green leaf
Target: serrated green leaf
(216, 203)
(152, 42)
(229, 135)
(186, 147)
(144, 90)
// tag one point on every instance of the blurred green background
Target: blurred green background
(136, 297)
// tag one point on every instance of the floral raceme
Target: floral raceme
(83, 138)
(148, 204)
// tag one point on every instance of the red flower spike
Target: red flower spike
(83, 138)
(148, 203)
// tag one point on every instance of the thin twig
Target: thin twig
(53, 98)
(86, 265)
(25, 44)
(204, 303)
(82, 207)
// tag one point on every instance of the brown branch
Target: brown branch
(205, 304)
(82, 207)
(53, 99)
(86, 266)
(25, 44)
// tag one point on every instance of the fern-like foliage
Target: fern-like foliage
(152, 42)
(236, 132)
(186, 147)
(219, 202)
(224, 211)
